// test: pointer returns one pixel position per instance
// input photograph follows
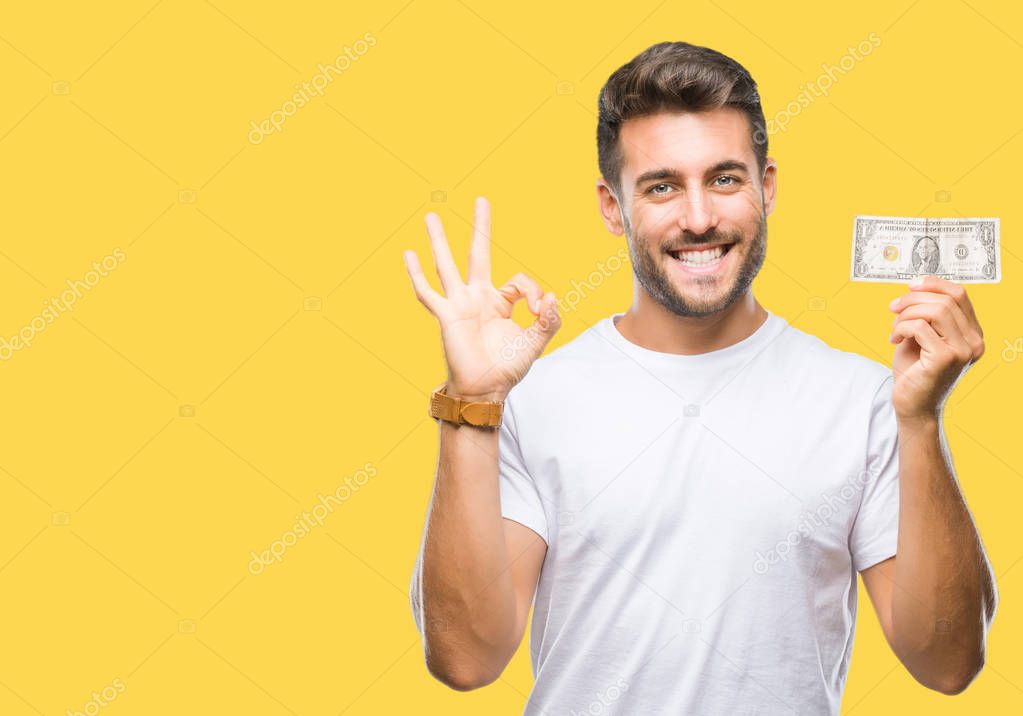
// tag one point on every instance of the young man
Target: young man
(690, 487)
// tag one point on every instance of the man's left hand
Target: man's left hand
(938, 337)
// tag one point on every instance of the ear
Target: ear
(770, 184)
(610, 211)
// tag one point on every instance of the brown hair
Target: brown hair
(674, 76)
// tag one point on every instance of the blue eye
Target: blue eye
(651, 189)
(725, 176)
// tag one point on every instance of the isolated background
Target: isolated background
(261, 342)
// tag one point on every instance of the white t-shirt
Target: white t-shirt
(705, 517)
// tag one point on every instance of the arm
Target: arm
(476, 572)
(935, 600)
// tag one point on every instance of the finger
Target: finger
(424, 292)
(450, 279)
(479, 251)
(547, 323)
(522, 286)
(967, 327)
(930, 298)
(548, 319)
(942, 323)
(954, 290)
(921, 331)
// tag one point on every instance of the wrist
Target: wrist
(918, 422)
(493, 396)
(481, 409)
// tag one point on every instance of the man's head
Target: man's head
(682, 147)
(926, 255)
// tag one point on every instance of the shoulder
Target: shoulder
(561, 370)
(817, 361)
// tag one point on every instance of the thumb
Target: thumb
(548, 320)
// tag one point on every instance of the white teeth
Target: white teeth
(701, 257)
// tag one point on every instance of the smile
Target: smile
(703, 260)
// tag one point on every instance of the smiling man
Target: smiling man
(685, 492)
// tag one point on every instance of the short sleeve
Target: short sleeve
(875, 531)
(520, 499)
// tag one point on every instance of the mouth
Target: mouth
(701, 259)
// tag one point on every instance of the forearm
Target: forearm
(466, 591)
(944, 595)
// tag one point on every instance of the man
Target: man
(926, 255)
(690, 487)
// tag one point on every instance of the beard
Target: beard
(650, 271)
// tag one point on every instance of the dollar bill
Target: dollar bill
(896, 249)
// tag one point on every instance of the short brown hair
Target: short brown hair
(674, 76)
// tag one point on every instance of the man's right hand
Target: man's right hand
(487, 352)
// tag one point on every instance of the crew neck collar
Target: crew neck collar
(764, 333)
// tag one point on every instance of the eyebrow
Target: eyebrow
(665, 173)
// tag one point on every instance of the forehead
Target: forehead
(687, 141)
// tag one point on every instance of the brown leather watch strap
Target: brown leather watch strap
(484, 414)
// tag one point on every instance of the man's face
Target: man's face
(924, 250)
(690, 181)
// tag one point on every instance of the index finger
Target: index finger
(956, 291)
(479, 249)
(442, 259)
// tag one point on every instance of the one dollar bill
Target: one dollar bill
(896, 249)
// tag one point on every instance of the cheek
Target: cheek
(743, 206)
(741, 212)
(656, 219)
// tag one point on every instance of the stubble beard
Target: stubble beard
(650, 272)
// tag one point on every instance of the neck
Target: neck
(650, 325)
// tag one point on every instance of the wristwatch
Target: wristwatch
(484, 414)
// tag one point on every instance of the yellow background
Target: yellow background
(261, 341)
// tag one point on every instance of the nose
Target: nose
(697, 215)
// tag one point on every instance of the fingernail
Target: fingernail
(917, 282)
(891, 305)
